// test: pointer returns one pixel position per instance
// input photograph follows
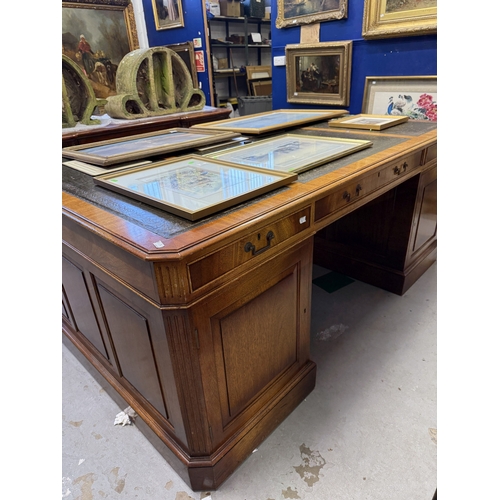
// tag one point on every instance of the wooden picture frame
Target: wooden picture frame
(291, 152)
(186, 52)
(319, 73)
(297, 12)
(135, 147)
(412, 96)
(109, 33)
(194, 186)
(261, 86)
(270, 121)
(168, 14)
(368, 122)
(393, 18)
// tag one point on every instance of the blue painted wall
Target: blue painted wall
(193, 28)
(403, 56)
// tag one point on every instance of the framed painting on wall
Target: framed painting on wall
(194, 186)
(298, 12)
(412, 96)
(319, 73)
(186, 52)
(393, 18)
(168, 14)
(97, 34)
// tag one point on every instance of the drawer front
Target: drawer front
(357, 190)
(227, 258)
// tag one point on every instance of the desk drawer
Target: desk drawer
(357, 190)
(227, 258)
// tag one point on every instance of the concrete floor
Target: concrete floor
(367, 431)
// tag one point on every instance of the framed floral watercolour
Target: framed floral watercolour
(368, 122)
(412, 96)
(319, 73)
(168, 14)
(393, 18)
(271, 121)
(97, 34)
(135, 147)
(298, 12)
(292, 152)
(193, 186)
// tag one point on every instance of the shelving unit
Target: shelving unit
(230, 83)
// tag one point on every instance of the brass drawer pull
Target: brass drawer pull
(400, 170)
(358, 189)
(249, 247)
(346, 196)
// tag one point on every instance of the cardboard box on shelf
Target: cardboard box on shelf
(214, 7)
(230, 8)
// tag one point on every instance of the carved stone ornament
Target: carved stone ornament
(153, 82)
(78, 98)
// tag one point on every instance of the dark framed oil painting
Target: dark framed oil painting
(299, 12)
(97, 34)
(319, 73)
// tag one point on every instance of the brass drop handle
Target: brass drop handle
(346, 196)
(250, 247)
(400, 170)
(358, 189)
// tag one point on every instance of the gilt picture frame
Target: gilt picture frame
(270, 121)
(393, 18)
(319, 73)
(297, 12)
(193, 186)
(368, 122)
(168, 14)
(412, 96)
(139, 146)
(97, 34)
(292, 152)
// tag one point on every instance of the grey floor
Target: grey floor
(367, 431)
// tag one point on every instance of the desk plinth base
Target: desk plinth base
(200, 473)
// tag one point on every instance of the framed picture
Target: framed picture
(393, 18)
(319, 73)
(134, 147)
(298, 12)
(291, 152)
(270, 121)
(168, 14)
(97, 34)
(261, 86)
(193, 186)
(368, 122)
(186, 52)
(412, 96)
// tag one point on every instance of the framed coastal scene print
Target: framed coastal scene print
(292, 152)
(411, 96)
(193, 186)
(298, 12)
(270, 121)
(394, 18)
(168, 14)
(97, 34)
(319, 73)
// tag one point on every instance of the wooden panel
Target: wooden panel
(82, 315)
(426, 222)
(129, 331)
(215, 265)
(254, 355)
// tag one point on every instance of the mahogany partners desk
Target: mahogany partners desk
(208, 343)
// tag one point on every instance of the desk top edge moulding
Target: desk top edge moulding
(153, 82)
(203, 327)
